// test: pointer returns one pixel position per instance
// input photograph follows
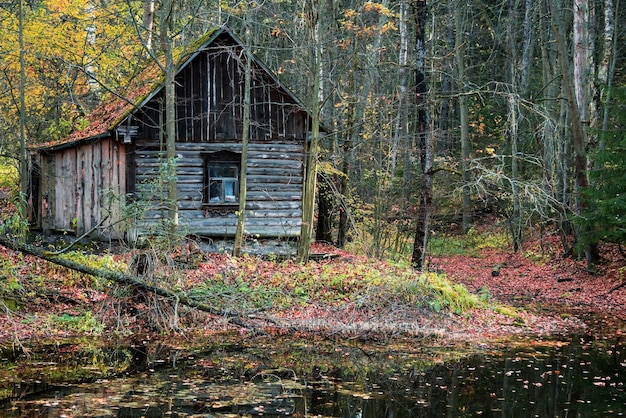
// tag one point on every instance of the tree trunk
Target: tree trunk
(606, 69)
(527, 43)
(22, 203)
(355, 108)
(584, 87)
(515, 221)
(148, 23)
(324, 229)
(459, 19)
(516, 216)
(425, 149)
(400, 131)
(310, 178)
(243, 175)
(549, 132)
(448, 98)
(342, 232)
(170, 118)
(578, 135)
(90, 69)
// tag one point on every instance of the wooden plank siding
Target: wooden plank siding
(209, 104)
(77, 184)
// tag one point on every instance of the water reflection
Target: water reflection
(536, 379)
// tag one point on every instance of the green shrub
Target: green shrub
(9, 175)
(450, 245)
(86, 323)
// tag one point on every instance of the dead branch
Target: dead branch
(619, 286)
(85, 235)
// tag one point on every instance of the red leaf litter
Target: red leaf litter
(540, 275)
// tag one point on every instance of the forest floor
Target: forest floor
(339, 295)
(540, 279)
(553, 294)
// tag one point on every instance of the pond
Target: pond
(277, 377)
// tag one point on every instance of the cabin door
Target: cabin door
(34, 195)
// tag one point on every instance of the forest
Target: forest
(436, 113)
(451, 173)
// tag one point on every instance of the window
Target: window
(221, 185)
(223, 182)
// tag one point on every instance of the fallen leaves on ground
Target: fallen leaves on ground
(538, 278)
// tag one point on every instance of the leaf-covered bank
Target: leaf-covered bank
(341, 295)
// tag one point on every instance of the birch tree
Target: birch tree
(606, 69)
(584, 87)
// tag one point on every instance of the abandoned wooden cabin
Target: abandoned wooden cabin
(108, 174)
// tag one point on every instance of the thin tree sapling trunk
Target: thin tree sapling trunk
(170, 117)
(245, 134)
(422, 226)
(310, 178)
(22, 204)
(460, 44)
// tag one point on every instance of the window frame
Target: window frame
(221, 160)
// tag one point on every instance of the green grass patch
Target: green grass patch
(451, 245)
(104, 261)
(468, 244)
(86, 323)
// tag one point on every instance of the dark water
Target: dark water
(579, 377)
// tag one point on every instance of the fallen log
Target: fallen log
(617, 287)
(496, 270)
(123, 279)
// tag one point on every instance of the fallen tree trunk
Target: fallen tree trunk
(619, 286)
(123, 279)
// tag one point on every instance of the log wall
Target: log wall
(209, 112)
(274, 189)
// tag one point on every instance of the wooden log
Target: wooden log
(496, 270)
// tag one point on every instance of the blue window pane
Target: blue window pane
(223, 182)
(230, 190)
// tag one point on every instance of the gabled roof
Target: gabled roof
(114, 109)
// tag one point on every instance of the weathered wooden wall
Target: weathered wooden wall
(78, 183)
(274, 197)
(209, 103)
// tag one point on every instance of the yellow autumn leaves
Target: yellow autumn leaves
(73, 51)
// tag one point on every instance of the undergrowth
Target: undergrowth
(469, 244)
(9, 176)
(247, 285)
(252, 283)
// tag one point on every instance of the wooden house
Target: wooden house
(107, 175)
